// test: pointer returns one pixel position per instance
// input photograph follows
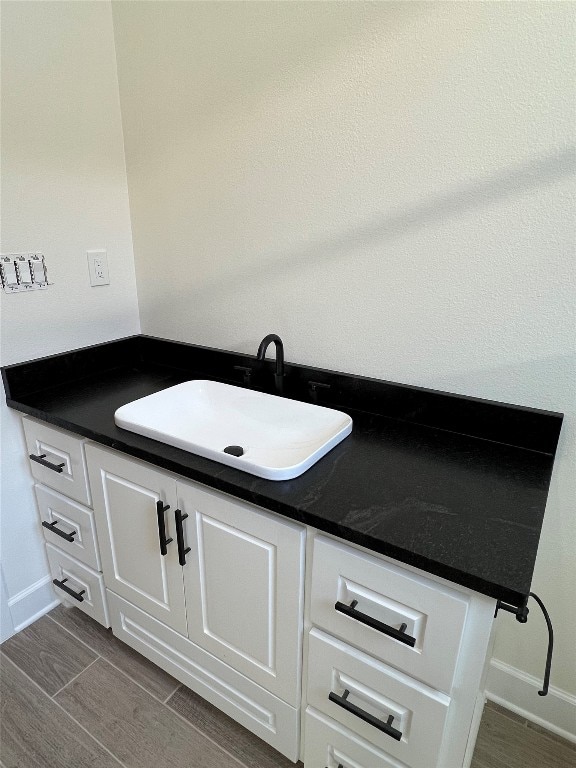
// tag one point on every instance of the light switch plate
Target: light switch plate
(98, 267)
(23, 272)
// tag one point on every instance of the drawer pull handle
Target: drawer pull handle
(75, 595)
(182, 550)
(42, 460)
(386, 727)
(397, 634)
(160, 509)
(52, 527)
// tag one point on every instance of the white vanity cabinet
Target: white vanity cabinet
(380, 665)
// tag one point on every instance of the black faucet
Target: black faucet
(279, 375)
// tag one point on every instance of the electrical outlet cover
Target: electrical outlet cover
(98, 267)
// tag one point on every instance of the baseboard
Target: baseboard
(32, 603)
(518, 692)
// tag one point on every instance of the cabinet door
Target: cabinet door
(243, 579)
(126, 494)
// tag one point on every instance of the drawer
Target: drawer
(79, 579)
(59, 460)
(404, 619)
(400, 716)
(261, 712)
(68, 526)
(328, 744)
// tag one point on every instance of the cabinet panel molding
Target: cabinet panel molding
(81, 580)
(329, 745)
(431, 615)
(268, 717)
(375, 692)
(64, 517)
(59, 460)
(126, 494)
(244, 590)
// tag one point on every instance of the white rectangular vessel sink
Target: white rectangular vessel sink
(276, 438)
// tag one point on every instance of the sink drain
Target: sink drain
(234, 450)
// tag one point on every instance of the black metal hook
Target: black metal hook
(521, 613)
(548, 667)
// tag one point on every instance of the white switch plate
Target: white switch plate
(98, 267)
(23, 272)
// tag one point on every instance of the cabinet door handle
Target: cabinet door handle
(397, 634)
(41, 459)
(160, 509)
(182, 550)
(75, 595)
(386, 727)
(52, 527)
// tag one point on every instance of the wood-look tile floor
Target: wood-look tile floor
(73, 696)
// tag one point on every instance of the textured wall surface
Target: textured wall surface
(389, 186)
(63, 192)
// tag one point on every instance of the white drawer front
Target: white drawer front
(329, 745)
(68, 526)
(376, 692)
(64, 467)
(403, 607)
(268, 717)
(80, 579)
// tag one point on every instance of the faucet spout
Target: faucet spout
(279, 374)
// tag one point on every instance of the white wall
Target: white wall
(64, 192)
(390, 188)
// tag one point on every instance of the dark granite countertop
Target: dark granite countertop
(453, 485)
